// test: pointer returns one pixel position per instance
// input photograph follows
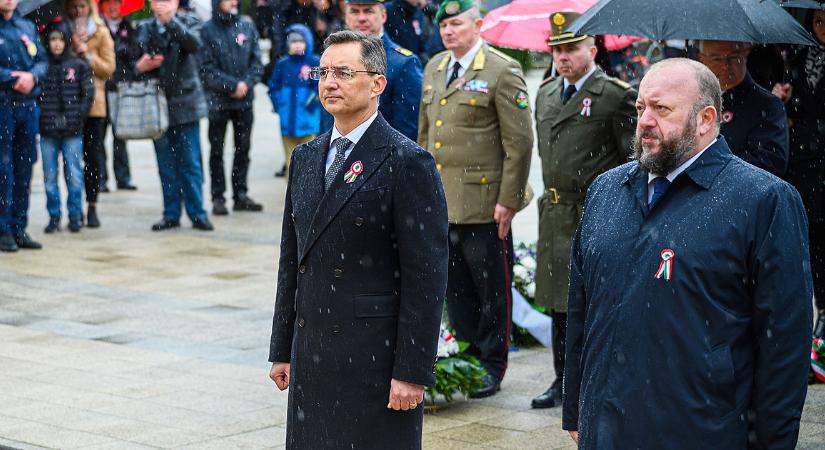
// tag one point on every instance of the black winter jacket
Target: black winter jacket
(229, 55)
(66, 95)
(124, 68)
(179, 42)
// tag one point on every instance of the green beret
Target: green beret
(450, 8)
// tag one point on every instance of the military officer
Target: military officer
(399, 102)
(475, 120)
(585, 122)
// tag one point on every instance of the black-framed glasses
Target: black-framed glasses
(338, 73)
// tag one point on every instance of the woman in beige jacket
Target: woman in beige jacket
(92, 41)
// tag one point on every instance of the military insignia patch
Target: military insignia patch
(477, 86)
(30, 47)
(452, 8)
(727, 117)
(403, 51)
(665, 269)
(521, 100)
(558, 19)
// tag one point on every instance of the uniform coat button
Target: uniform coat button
(336, 328)
(338, 273)
(302, 269)
(301, 322)
(359, 221)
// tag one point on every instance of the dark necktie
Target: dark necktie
(569, 92)
(341, 146)
(454, 75)
(660, 185)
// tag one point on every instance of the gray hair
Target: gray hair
(709, 93)
(373, 55)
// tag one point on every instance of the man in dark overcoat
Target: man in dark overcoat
(363, 268)
(689, 316)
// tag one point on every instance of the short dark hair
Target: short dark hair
(373, 55)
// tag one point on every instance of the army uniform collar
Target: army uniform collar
(470, 73)
(592, 87)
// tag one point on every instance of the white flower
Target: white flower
(447, 345)
(529, 262)
(521, 272)
(531, 290)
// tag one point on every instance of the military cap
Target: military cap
(364, 2)
(558, 22)
(450, 8)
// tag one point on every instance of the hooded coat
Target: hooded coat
(294, 95)
(229, 55)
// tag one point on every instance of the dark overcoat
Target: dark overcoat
(712, 350)
(361, 282)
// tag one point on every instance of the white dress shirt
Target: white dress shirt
(676, 172)
(466, 61)
(354, 136)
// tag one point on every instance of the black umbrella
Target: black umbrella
(758, 21)
(26, 6)
(805, 4)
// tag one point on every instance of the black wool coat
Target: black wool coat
(361, 282)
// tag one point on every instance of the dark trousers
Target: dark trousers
(94, 156)
(242, 128)
(478, 292)
(18, 152)
(816, 236)
(120, 161)
(559, 333)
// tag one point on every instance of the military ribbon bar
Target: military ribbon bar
(353, 172)
(586, 103)
(666, 266)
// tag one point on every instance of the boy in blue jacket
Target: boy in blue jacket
(294, 95)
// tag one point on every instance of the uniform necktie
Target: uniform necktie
(569, 92)
(660, 185)
(454, 75)
(341, 145)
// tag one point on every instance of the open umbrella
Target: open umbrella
(525, 24)
(757, 21)
(804, 4)
(24, 7)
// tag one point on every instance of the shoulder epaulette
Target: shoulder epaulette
(620, 83)
(404, 51)
(501, 54)
(547, 81)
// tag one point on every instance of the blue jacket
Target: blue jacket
(399, 102)
(406, 25)
(15, 33)
(294, 95)
(718, 351)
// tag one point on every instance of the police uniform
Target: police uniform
(579, 139)
(399, 102)
(478, 128)
(20, 50)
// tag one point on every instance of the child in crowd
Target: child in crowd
(65, 100)
(294, 95)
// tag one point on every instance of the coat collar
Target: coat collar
(592, 87)
(478, 65)
(372, 150)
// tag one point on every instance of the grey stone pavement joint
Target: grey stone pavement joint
(121, 338)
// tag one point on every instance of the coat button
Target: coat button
(483, 180)
(438, 123)
(619, 355)
(338, 273)
(302, 269)
(301, 322)
(359, 221)
(336, 328)
(472, 102)
(437, 145)
(438, 166)
(443, 101)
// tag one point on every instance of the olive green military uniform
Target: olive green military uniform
(577, 141)
(479, 129)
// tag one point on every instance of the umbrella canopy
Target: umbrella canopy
(757, 21)
(805, 4)
(26, 6)
(129, 6)
(525, 24)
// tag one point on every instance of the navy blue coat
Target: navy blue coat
(14, 56)
(718, 351)
(361, 283)
(756, 126)
(399, 102)
(406, 25)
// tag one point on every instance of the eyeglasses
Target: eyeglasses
(338, 73)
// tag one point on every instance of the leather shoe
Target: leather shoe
(202, 224)
(54, 225)
(219, 207)
(490, 385)
(550, 398)
(165, 224)
(23, 240)
(244, 203)
(7, 243)
(281, 173)
(126, 187)
(92, 220)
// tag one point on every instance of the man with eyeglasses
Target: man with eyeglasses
(475, 119)
(363, 267)
(754, 121)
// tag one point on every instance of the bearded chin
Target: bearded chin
(673, 152)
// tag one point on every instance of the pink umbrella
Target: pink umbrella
(525, 24)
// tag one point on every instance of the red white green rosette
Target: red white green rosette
(356, 169)
(818, 359)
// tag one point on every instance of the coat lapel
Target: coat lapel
(592, 88)
(636, 181)
(372, 149)
(469, 74)
(309, 180)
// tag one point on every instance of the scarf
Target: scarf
(815, 64)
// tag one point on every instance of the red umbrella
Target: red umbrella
(130, 6)
(525, 24)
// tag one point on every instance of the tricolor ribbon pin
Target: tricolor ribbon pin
(353, 172)
(666, 266)
(586, 103)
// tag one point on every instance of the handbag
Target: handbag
(140, 110)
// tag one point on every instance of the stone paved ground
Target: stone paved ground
(124, 338)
